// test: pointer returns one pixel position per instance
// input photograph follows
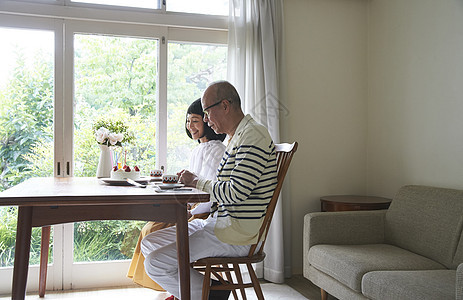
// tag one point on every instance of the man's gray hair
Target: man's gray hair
(225, 90)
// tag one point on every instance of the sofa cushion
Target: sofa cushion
(427, 221)
(410, 285)
(332, 286)
(348, 263)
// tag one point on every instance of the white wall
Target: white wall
(415, 103)
(326, 64)
(375, 98)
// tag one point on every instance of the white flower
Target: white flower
(115, 137)
(119, 137)
(111, 133)
(101, 135)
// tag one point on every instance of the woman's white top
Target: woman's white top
(204, 162)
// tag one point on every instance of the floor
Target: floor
(304, 287)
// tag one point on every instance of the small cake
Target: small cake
(125, 172)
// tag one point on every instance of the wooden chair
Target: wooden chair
(218, 266)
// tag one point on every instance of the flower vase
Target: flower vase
(104, 164)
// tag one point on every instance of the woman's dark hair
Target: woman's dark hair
(196, 108)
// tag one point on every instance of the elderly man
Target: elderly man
(246, 178)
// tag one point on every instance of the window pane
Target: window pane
(191, 68)
(115, 79)
(26, 122)
(129, 3)
(205, 7)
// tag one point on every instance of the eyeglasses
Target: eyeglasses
(211, 106)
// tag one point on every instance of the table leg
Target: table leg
(22, 250)
(45, 243)
(183, 254)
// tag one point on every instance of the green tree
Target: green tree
(26, 116)
(116, 77)
(192, 68)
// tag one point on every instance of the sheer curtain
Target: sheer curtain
(254, 55)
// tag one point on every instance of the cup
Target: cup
(169, 179)
(156, 173)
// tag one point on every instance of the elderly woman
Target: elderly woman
(204, 161)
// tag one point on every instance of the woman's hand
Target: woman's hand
(188, 178)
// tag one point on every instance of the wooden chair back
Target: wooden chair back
(284, 153)
(217, 266)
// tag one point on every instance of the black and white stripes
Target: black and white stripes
(246, 179)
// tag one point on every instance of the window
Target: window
(191, 68)
(114, 77)
(207, 7)
(132, 3)
(147, 73)
(26, 122)
(26, 126)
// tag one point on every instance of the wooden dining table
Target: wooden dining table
(44, 201)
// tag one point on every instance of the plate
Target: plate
(164, 186)
(112, 181)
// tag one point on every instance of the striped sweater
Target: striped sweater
(246, 179)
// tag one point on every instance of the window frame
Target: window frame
(67, 10)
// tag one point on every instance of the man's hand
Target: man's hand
(188, 178)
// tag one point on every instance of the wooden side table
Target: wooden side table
(353, 202)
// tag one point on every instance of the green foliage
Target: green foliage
(86, 151)
(105, 240)
(192, 68)
(8, 221)
(116, 80)
(8, 217)
(116, 72)
(40, 161)
(26, 116)
(113, 126)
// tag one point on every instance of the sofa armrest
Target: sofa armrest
(342, 228)
(459, 283)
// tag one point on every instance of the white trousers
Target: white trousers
(160, 251)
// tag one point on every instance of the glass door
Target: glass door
(27, 102)
(115, 79)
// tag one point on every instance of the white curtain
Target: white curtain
(254, 58)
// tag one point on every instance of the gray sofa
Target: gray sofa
(413, 250)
